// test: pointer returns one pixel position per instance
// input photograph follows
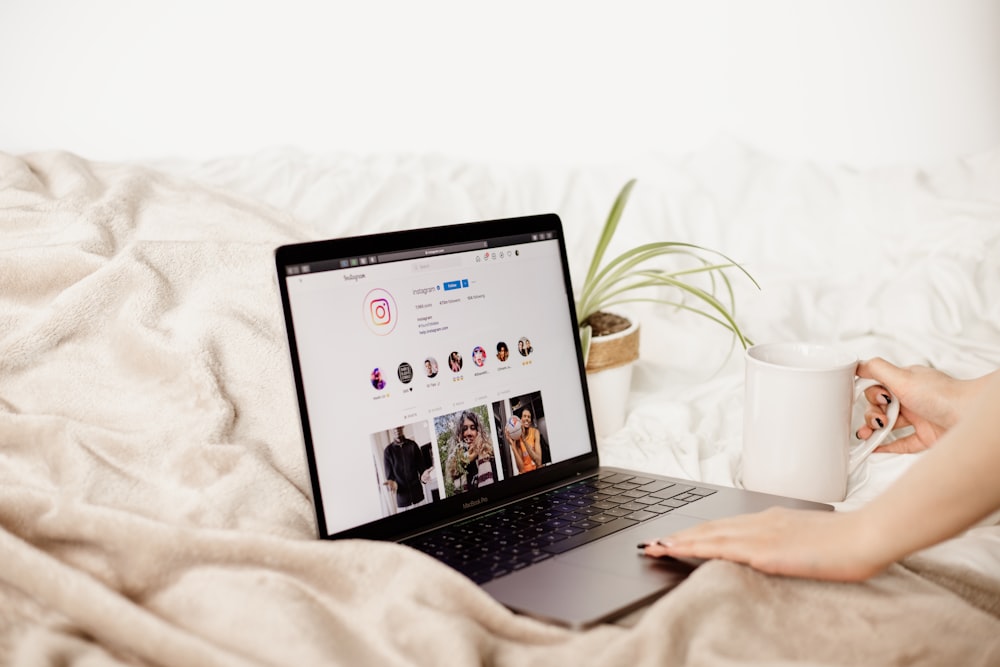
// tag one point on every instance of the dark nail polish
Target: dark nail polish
(857, 434)
(642, 545)
(879, 422)
(888, 399)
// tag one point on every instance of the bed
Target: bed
(154, 496)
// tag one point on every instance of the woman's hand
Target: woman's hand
(930, 402)
(795, 543)
(947, 490)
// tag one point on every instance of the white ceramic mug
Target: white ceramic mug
(797, 429)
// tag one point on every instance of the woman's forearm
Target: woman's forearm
(953, 485)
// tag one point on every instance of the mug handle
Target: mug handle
(863, 449)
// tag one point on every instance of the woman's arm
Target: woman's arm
(948, 490)
(954, 484)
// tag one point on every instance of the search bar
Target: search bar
(433, 263)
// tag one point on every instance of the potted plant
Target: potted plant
(610, 340)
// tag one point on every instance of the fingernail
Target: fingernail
(886, 399)
(877, 421)
(857, 434)
(665, 543)
(642, 545)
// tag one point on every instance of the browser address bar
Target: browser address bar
(434, 251)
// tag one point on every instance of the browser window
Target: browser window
(430, 373)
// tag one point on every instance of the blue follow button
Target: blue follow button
(455, 284)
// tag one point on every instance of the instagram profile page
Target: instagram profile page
(426, 379)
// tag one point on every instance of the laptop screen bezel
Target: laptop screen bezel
(401, 525)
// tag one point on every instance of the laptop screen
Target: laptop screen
(433, 376)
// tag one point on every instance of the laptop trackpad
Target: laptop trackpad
(595, 582)
(609, 554)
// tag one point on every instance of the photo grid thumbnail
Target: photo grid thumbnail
(467, 448)
(404, 467)
(421, 462)
(521, 421)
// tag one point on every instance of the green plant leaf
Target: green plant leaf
(605, 286)
(610, 226)
(594, 294)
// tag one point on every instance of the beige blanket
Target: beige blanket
(154, 501)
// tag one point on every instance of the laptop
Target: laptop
(443, 402)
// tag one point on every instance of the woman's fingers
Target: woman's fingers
(879, 399)
(881, 370)
(733, 538)
(878, 395)
(875, 418)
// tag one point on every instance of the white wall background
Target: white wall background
(862, 82)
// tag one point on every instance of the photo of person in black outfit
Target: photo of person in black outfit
(406, 471)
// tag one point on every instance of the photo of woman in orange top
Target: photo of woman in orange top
(527, 445)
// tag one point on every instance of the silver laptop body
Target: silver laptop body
(444, 404)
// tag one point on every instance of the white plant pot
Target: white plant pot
(608, 397)
(609, 377)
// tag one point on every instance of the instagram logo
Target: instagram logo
(379, 312)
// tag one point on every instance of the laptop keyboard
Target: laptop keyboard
(534, 529)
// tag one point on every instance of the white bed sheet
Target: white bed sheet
(901, 262)
(154, 500)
